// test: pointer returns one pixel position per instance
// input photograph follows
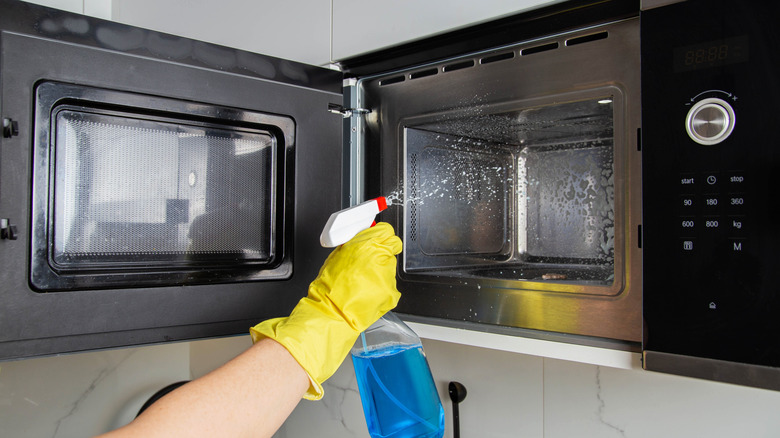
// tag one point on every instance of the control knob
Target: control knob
(710, 121)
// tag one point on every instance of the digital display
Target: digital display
(711, 54)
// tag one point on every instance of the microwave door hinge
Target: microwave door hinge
(346, 112)
(353, 188)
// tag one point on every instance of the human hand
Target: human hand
(355, 287)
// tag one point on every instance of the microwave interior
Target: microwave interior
(515, 184)
(523, 191)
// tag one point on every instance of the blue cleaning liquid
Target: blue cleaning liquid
(398, 394)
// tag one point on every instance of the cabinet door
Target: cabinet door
(93, 8)
(361, 26)
(297, 30)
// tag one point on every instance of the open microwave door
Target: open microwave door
(152, 187)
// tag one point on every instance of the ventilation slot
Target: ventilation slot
(413, 177)
(458, 66)
(424, 73)
(496, 58)
(393, 80)
(587, 38)
(539, 49)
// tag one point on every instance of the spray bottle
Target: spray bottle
(396, 386)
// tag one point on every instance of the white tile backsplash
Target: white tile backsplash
(509, 395)
(79, 395)
(339, 413)
(504, 390)
(585, 400)
(510, 385)
(516, 395)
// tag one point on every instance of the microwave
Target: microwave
(155, 188)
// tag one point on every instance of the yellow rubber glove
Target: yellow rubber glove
(355, 287)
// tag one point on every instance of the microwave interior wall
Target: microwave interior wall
(516, 181)
(529, 187)
(161, 188)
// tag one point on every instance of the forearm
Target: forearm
(251, 395)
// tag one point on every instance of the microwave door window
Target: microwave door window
(130, 191)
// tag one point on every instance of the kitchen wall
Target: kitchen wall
(513, 395)
(81, 395)
(509, 394)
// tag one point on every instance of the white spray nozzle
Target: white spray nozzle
(345, 224)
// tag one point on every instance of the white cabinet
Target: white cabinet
(68, 5)
(294, 29)
(361, 26)
(95, 8)
(312, 31)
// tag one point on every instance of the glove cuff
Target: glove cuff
(320, 353)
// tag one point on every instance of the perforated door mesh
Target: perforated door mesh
(130, 189)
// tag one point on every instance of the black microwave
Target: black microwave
(155, 188)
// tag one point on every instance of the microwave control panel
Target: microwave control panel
(709, 167)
